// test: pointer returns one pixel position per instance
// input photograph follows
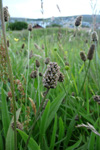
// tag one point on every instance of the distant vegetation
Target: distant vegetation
(18, 25)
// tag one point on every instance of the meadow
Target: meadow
(63, 117)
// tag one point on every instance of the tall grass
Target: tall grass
(51, 125)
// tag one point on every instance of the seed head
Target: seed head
(94, 36)
(91, 52)
(40, 74)
(78, 21)
(33, 74)
(61, 77)
(23, 45)
(83, 56)
(18, 125)
(97, 98)
(51, 75)
(37, 64)
(47, 60)
(30, 27)
(6, 14)
(8, 43)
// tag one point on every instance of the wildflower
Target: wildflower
(83, 56)
(61, 77)
(23, 45)
(51, 75)
(97, 98)
(91, 52)
(8, 43)
(33, 74)
(6, 14)
(15, 39)
(37, 64)
(30, 54)
(40, 74)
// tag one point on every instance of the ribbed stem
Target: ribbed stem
(27, 71)
(85, 77)
(10, 74)
(36, 119)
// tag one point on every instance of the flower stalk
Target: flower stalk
(10, 73)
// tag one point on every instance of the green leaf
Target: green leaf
(44, 121)
(54, 107)
(70, 130)
(81, 69)
(75, 145)
(10, 133)
(92, 138)
(1, 143)
(53, 137)
(5, 114)
(32, 143)
(61, 130)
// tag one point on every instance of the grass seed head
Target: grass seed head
(83, 56)
(91, 52)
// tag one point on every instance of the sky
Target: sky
(32, 8)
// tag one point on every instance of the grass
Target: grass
(56, 126)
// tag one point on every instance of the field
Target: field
(54, 123)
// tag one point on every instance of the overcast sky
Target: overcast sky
(32, 8)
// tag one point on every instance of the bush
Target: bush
(18, 25)
(53, 25)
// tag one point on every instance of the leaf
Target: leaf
(32, 143)
(44, 121)
(54, 107)
(5, 114)
(53, 137)
(92, 138)
(61, 130)
(81, 69)
(10, 133)
(75, 145)
(1, 143)
(70, 130)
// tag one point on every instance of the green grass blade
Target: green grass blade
(55, 106)
(5, 113)
(1, 143)
(10, 133)
(92, 138)
(32, 144)
(70, 130)
(75, 145)
(44, 121)
(53, 137)
(61, 130)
